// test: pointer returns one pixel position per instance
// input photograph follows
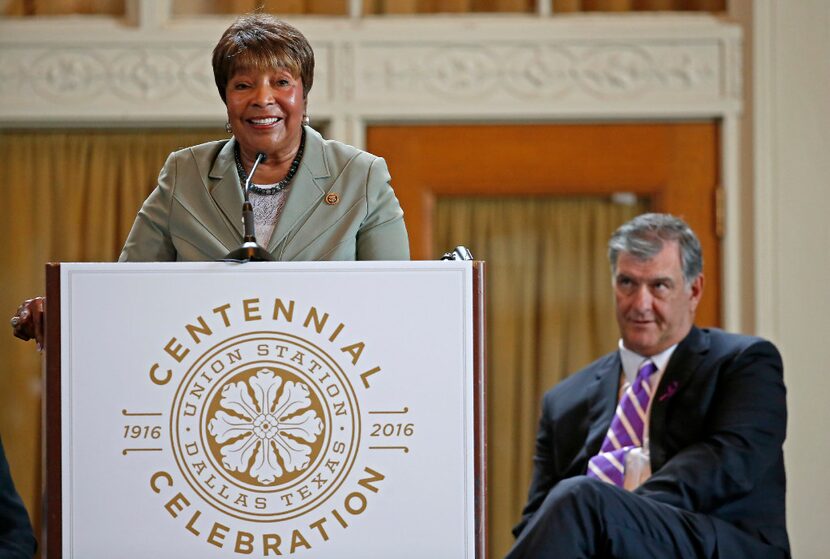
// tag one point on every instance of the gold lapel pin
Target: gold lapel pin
(332, 198)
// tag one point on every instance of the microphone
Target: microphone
(250, 251)
(458, 253)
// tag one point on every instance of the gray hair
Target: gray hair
(643, 238)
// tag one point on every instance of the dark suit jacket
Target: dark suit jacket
(716, 431)
(16, 538)
(195, 213)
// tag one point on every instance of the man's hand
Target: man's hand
(27, 323)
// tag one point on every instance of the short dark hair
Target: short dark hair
(262, 42)
(643, 238)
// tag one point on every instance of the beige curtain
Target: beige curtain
(550, 311)
(67, 196)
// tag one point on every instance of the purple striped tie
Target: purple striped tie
(626, 431)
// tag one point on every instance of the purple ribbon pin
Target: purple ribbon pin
(669, 392)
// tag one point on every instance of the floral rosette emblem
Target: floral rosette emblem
(265, 427)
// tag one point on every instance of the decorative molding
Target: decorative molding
(125, 82)
(533, 71)
(103, 72)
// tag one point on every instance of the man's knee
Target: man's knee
(570, 520)
(581, 488)
(580, 494)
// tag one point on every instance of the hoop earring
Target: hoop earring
(228, 128)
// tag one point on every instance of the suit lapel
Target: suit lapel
(604, 402)
(305, 192)
(682, 365)
(226, 191)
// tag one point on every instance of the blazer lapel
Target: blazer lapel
(683, 363)
(606, 388)
(305, 192)
(226, 191)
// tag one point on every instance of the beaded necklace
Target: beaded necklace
(273, 188)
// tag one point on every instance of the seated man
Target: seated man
(670, 446)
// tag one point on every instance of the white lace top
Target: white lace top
(267, 211)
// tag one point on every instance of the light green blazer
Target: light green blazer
(195, 212)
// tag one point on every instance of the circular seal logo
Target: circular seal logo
(265, 426)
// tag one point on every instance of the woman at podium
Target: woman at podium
(310, 198)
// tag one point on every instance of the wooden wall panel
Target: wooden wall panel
(674, 165)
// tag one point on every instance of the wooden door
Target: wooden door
(673, 165)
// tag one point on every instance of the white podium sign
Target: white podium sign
(317, 410)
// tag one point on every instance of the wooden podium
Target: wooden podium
(326, 410)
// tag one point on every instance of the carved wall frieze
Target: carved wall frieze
(539, 71)
(10, 73)
(125, 81)
(147, 76)
(199, 76)
(65, 74)
(377, 72)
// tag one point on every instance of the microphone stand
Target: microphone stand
(250, 251)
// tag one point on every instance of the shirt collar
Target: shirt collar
(631, 361)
